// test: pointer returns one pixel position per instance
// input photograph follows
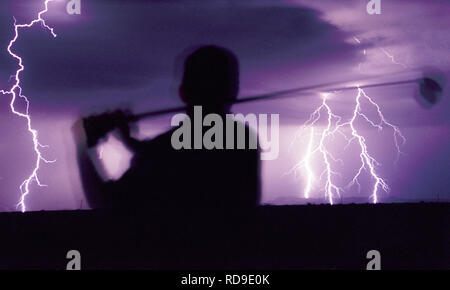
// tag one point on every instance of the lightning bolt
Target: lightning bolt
(308, 168)
(349, 132)
(336, 126)
(368, 162)
(15, 92)
(331, 189)
(384, 51)
(392, 58)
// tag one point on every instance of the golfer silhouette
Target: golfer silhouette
(161, 176)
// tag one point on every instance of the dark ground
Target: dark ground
(408, 236)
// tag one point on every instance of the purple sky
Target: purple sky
(123, 53)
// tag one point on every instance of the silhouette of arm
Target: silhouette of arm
(94, 185)
(87, 132)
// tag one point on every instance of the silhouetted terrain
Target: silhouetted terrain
(408, 236)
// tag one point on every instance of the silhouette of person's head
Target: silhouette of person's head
(211, 78)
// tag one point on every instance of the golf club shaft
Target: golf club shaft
(279, 94)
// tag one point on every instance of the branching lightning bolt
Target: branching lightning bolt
(368, 162)
(330, 188)
(350, 133)
(16, 91)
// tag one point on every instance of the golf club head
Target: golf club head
(431, 88)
